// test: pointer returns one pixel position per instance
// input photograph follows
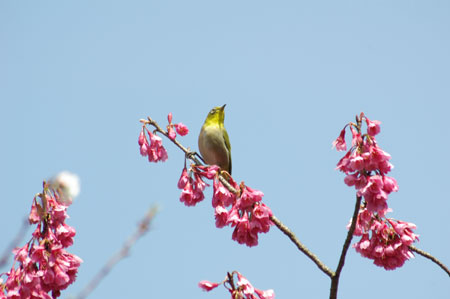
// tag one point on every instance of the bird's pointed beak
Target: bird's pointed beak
(223, 107)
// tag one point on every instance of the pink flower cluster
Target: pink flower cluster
(179, 127)
(385, 241)
(154, 150)
(366, 166)
(243, 211)
(44, 264)
(243, 289)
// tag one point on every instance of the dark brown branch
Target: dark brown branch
(430, 257)
(14, 243)
(121, 254)
(302, 247)
(348, 240)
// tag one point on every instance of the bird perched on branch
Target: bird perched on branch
(213, 141)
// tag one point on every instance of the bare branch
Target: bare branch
(430, 257)
(302, 247)
(15, 242)
(121, 254)
(348, 240)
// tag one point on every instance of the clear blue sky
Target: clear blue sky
(76, 76)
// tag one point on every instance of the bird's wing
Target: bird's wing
(228, 145)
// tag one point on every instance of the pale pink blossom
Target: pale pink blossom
(356, 137)
(373, 126)
(243, 234)
(239, 289)
(153, 150)
(44, 264)
(187, 195)
(181, 129)
(249, 197)
(209, 172)
(356, 162)
(389, 184)
(171, 132)
(268, 294)
(260, 221)
(207, 285)
(221, 195)
(184, 179)
(221, 215)
(387, 242)
(173, 129)
(339, 143)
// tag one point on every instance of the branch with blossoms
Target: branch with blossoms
(242, 289)
(43, 266)
(388, 242)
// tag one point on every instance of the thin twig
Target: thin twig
(348, 240)
(430, 257)
(15, 242)
(121, 254)
(301, 247)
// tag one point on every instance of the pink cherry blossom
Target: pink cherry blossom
(44, 264)
(207, 285)
(181, 129)
(249, 291)
(383, 240)
(243, 234)
(184, 179)
(171, 132)
(373, 127)
(153, 150)
(209, 172)
(221, 215)
(389, 184)
(221, 195)
(239, 289)
(157, 151)
(187, 195)
(249, 197)
(260, 222)
(173, 129)
(143, 143)
(268, 294)
(339, 143)
(356, 137)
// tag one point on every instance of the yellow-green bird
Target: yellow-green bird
(213, 141)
